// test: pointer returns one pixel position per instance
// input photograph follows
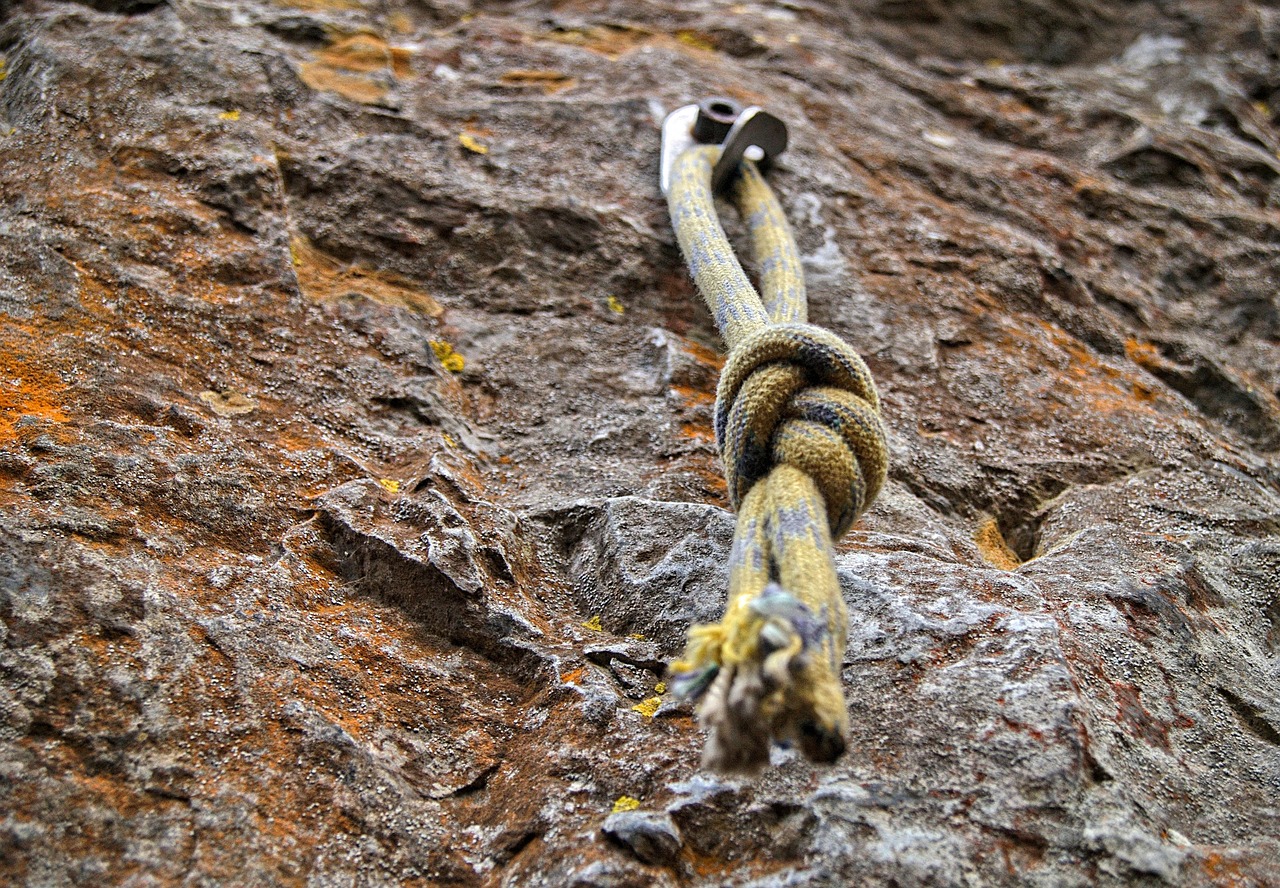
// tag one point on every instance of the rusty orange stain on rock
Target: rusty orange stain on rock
(27, 389)
(1131, 713)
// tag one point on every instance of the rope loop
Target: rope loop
(795, 394)
(799, 430)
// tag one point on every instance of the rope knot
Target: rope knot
(798, 395)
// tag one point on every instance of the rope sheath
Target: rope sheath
(798, 427)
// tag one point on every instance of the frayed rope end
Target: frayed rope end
(764, 675)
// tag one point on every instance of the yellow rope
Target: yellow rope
(798, 426)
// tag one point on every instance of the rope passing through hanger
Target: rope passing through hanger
(797, 422)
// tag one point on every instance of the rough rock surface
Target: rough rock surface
(356, 477)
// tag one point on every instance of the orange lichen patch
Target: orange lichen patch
(321, 5)
(294, 442)
(991, 543)
(321, 277)
(611, 41)
(359, 67)
(322, 78)
(1083, 362)
(400, 23)
(573, 675)
(702, 354)
(365, 54)
(616, 41)
(694, 397)
(1145, 355)
(1227, 871)
(1088, 380)
(703, 474)
(696, 432)
(26, 389)
(228, 403)
(1143, 392)
(548, 81)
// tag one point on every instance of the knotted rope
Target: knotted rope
(798, 427)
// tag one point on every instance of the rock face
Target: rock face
(357, 479)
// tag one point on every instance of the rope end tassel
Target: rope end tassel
(798, 427)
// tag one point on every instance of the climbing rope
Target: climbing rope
(797, 422)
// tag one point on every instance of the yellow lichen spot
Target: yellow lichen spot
(594, 624)
(695, 40)
(660, 688)
(647, 707)
(4, 71)
(452, 361)
(991, 543)
(615, 304)
(233, 114)
(228, 403)
(637, 636)
(448, 440)
(994, 63)
(625, 803)
(472, 144)
(1262, 108)
(390, 485)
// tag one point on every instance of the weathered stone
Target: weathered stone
(357, 479)
(651, 837)
(642, 565)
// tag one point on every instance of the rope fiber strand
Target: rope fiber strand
(798, 427)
